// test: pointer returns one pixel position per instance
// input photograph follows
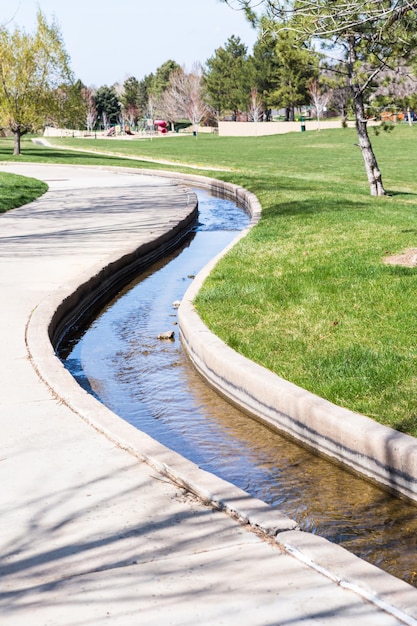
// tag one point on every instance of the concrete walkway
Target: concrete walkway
(95, 523)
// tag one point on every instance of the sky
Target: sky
(111, 41)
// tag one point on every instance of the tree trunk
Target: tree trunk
(371, 166)
(17, 135)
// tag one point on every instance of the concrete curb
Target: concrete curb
(55, 312)
(381, 454)
(64, 307)
(350, 572)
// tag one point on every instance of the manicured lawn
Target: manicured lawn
(18, 190)
(307, 293)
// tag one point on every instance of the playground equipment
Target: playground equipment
(161, 126)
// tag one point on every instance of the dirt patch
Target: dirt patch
(407, 258)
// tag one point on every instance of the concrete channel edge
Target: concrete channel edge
(217, 363)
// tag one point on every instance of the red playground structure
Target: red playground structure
(161, 126)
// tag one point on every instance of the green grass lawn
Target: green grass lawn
(307, 293)
(18, 190)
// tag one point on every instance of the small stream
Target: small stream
(151, 384)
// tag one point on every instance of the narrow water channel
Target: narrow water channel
(151, 384)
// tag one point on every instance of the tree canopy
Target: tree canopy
(184, 98)
(34, 73)
(161, 79)
(227, 77)
(107, 105)
(283, 67)
(72, 103)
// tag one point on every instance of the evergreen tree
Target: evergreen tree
(295, 65)
(145, 92)
(130, 99)
(227, 78)
(107, 105)
(131, 92)
(282, 68)
(161, 79)
(265, 65)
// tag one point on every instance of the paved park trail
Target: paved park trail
(91, 534)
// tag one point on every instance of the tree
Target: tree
(264, 64)
(396, 91)
(296, 65)
(161, 79)
(283, 66)
(185, 98)
(72, 104)
(227, 77)
(171, 104)
(255, 106)
(368, 35)
(130, 100)
(319, 99)
(34, 70)
(90, 109)
(335, 79)
(145, 90)
(131, 92)
(151, 88)
(107, 105)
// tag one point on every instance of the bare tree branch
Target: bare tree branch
(184, 97)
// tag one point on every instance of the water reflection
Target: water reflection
(151, 384)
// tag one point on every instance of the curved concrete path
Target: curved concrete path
(90, 533)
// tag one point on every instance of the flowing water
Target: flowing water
(151, 384)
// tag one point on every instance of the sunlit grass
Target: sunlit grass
(307, 293)
(18, 190)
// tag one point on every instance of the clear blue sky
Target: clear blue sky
(110, 41)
